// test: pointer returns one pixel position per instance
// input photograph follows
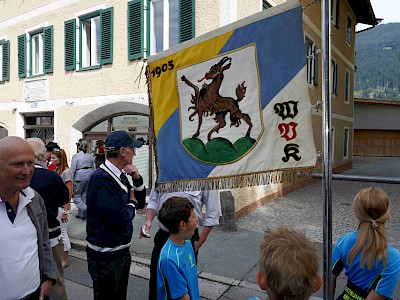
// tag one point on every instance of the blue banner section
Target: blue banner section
(280, 49)
(175, 162)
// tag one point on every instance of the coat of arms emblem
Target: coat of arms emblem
(220, 110)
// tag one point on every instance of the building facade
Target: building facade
(380, 137)
(72, 69)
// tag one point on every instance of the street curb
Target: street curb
(80, 246)
(80, 252)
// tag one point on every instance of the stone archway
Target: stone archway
(3, 132)
(109, 109)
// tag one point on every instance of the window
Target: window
(40, 125)
(349, 30)
(4, 60)
(39, 52)
(312, 61)
(90, 42)
(334, 77)
(333, 143)
(346, 143)
(170, 22)
(266, 5)
(95, 42)
(335, 12)
(347, 86)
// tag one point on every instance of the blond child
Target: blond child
(288, 265)
(372, 265)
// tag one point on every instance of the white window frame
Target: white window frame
(310, 60)
(334, 77)
(347, 86)
(349, 29)
(89, 60)
(30, 32)
(37, 53)
(78, 15)
(333, 143)
(165, 27)
(346, 139)
(334, 13)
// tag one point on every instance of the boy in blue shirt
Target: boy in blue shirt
(177, 270)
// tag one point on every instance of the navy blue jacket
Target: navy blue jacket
(54, 192)
(109, 217)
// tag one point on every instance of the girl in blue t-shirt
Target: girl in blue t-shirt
(372, 265)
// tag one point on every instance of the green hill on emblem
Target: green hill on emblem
(218, 150)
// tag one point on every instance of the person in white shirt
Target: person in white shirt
(27, 269)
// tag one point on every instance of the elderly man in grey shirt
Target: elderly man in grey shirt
(27, 269)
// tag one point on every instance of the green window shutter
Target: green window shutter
(266, 5)
(6, 60)
(21, 56)
(106, 44)
(316, 58)
(135, 29)
(48, 49)
(186, 20)
(69, 44)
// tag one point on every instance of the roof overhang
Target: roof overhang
(364, 12)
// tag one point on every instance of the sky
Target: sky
(388, 10)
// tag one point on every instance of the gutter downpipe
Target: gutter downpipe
(327, 153)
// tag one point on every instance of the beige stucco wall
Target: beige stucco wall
(7, 120)
(113, 79)
(246, 8)
(207, 16)
(11, 9)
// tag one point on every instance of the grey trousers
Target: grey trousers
(79, 197)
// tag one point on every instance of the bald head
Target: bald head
(17, 163)
(13, 144)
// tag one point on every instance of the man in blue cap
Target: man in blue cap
(111, 206)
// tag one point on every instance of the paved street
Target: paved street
(228, 260)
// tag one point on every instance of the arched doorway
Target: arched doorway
(137, 125)
(3, 132)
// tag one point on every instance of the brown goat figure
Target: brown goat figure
(207, 101)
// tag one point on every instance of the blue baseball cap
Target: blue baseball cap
(120, 138)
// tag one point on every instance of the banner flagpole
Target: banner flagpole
(327, 144)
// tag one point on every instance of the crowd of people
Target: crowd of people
(36, 190)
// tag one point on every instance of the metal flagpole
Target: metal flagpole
(327, 144)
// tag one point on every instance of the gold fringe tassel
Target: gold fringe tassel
(294, 175)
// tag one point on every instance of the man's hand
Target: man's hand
(64, 218)
(147, 226)
(197, 245)
(132, 171)
(203, 237)
(45, 288)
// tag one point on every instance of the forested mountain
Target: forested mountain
(378, 62)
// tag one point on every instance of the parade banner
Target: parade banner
(231, 108)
